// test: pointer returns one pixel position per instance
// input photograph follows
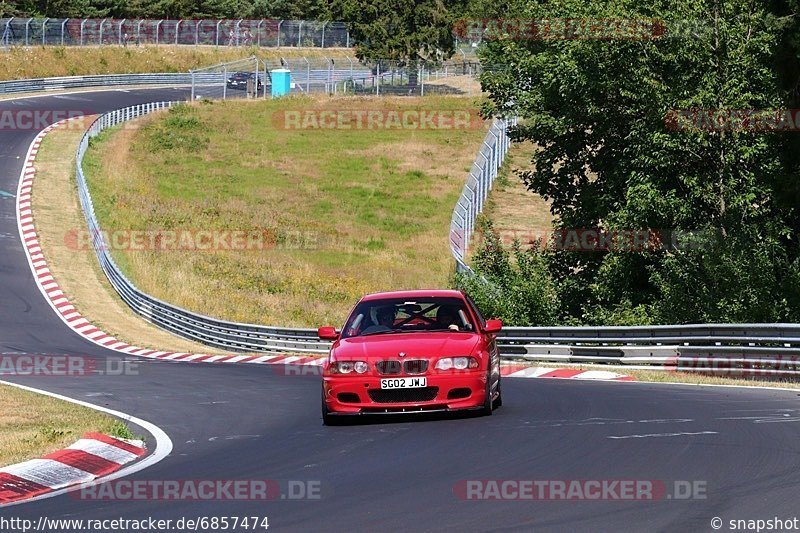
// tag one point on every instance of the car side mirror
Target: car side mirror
(327, 333)
(493, 326)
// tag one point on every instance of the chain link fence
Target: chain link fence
(337, 75)
(235, 79)
(124, 32)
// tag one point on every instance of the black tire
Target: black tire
(488, 404)
(327, 418)
(498, 402)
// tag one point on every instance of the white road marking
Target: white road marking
(652, 435)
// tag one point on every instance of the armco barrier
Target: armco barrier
(762, 345)
(109, 80)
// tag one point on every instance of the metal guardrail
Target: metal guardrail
(476, 189)
(108, 80)
(769, 349)
(766, 349)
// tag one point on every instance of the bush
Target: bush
(513, 284)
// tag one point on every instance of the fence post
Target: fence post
(322, 45)
(308, 75)
(378, 79)
(224, 82)
(44, 31)
(279, 33)
(27, 30)
(299, 33)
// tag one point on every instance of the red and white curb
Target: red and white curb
(79, 324)
(91, 457)
(519, 371)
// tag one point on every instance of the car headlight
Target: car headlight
(459, 363)
(347, 367)
(444, 364)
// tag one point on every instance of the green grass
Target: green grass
(33, 424)
(353, 211)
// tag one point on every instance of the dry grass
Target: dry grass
(33, 425)
(374, 205)
(51, 61)
(511, 206)
(57, 213)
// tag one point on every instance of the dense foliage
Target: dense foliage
(600, 111)
(170, 9)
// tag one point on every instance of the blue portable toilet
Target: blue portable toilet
(281, 81)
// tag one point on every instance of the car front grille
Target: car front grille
(389, 367)
(415, 366)
(422, 394)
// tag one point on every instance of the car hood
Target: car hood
(412, 344)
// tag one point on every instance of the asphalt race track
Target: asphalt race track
(240, 422)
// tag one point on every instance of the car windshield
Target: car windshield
(377, 317)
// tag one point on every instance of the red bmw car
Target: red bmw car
(409, 352)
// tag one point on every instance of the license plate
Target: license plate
(404, 383)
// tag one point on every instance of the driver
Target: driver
(384, 320)
(447, 317)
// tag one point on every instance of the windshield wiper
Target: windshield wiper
(382, 332)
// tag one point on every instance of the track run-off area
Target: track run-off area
(558, 455)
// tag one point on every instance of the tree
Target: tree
(602, 112)
(406, 31)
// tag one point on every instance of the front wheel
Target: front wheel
(488, 404)
(327, 418)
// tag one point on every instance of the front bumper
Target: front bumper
(362, 394)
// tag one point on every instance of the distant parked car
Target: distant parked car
(238, 80)
(411, 352)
